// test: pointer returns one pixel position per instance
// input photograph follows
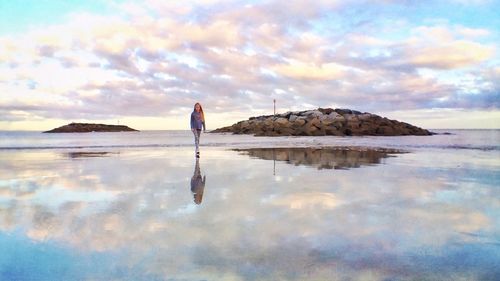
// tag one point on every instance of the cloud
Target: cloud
(472, 32)
(155, 58)
(472, 2)
(301, 70)
(454, 55)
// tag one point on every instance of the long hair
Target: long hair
(201, 111)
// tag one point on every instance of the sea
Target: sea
(485, 140)
(141, 206)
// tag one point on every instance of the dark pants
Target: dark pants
(197, 134)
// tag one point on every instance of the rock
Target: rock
(299, 122)
(313, 127)
(90, 127)
(325, 110)
(286, 131)
(384, 130)
(268, 122)
(332, 131)
(282, 122)
(343, 111)
(323, 121)
(350, 117)
(227, 129)
(327, 120)
(312, 113)
(245, 124)
(365, 116)
(334, 114)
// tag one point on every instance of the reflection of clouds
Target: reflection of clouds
(461, 220)
(372, 221)
(306, 200)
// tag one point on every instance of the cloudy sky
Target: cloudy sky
(145, 63)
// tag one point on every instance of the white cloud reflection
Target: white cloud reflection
(312, 224)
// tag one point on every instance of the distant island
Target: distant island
(89, 127)
(323, 122)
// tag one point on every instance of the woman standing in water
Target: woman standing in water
(197, 123)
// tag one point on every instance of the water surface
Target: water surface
(264, 214)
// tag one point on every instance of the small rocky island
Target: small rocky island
(323, 122)
(89, 127)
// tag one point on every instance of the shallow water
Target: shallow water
(264, 214)
(454, 139)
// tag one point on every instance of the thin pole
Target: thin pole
(274, 102)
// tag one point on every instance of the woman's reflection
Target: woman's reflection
(197, 183)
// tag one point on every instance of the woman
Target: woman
(197, 123)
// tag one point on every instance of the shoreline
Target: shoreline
(480, 140)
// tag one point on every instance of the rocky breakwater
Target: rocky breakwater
(322, 122)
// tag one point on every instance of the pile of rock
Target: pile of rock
(90, 127)
(322, 122)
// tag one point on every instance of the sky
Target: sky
(435, 64)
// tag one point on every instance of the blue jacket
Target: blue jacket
(196, 121)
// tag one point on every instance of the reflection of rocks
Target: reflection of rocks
(86, 154)
(323, 122)
(323, 158)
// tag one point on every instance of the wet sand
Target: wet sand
(263, 214)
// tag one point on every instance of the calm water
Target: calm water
(458, 139)
(140, 207)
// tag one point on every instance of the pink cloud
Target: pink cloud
(168, 54)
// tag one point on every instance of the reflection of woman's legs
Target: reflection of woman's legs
(197, 172)
(196, 139)
(197, 183)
